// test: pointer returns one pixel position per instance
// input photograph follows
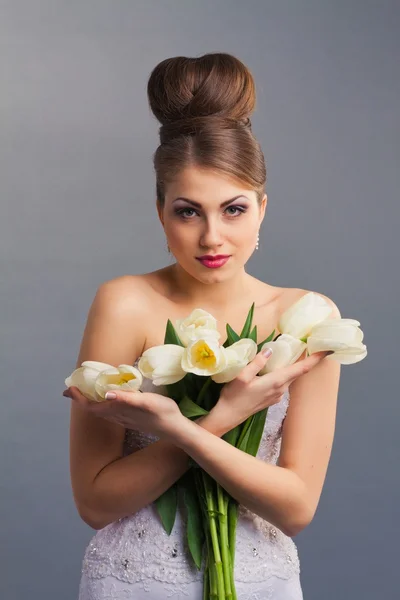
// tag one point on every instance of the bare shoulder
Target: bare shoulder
(130, 294)
(123, 289)
(116, 317)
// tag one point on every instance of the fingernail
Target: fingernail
(330, 352)
(267, 352)
(110, 395)
(66, 394)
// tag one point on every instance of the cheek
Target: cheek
(179, 237)
(245, 235)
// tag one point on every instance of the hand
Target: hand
(248, 393)
(143, 411)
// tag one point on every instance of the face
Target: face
(208, 214)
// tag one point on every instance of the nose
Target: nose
(211, 236)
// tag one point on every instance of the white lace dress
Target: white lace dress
(135, 559)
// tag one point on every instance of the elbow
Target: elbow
(94, 523)
(303, 518)
(295, 529)
(91, 519)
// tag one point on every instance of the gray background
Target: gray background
(78, 208)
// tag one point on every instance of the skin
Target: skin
(277, 494)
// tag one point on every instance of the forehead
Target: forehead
(203, 185)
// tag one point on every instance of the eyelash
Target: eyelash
(181, 211)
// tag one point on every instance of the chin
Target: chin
(212, 275)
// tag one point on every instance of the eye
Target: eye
(182, 212)
(232, 211)
(238, 210)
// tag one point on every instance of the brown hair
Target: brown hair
(204, 106)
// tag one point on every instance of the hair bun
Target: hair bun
(184, 93)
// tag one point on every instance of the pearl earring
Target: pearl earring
(258, 241)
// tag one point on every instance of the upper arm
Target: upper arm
(309, 426)
(113, 334)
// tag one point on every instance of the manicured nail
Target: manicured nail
(267, 352)
(111, 395)
(330, 352)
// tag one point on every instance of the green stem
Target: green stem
(214, 536)
(232, 575)
(231, 528)
(232, 521)
(223, 530)
(212, 580)
(206, 583)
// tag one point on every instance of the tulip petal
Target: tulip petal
(83, 378)
(343, 336)
(286, 351)
(198, 324)
(204, 357)
(93, 364)
(162, 364)
(304, 314)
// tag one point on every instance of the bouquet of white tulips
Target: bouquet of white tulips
(194, 366)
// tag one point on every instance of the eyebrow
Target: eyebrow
(198, 205)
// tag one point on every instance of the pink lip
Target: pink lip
(213, 256)
(213, 262)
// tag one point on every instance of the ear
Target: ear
(263, 207)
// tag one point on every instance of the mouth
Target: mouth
(213, 262)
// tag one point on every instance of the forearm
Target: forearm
(274, 493)
(128, 484)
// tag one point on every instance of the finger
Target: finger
(124, 396)
(98, 407)
(255, 366)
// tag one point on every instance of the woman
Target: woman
(125, 453)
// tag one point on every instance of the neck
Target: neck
(218, 295)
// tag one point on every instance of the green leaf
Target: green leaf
(190, 409)
(268, 339)
(253, 334)
(257, 428)
(171, 337)
(204, 391)
(244, 439)
(195, 531)
(232, 336)
(243, 430)
(166, 506)
(176, 390)
(232, 436)
(247, 326)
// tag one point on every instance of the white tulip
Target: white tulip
(341, 335)
(285, 351)
(162, 364)
(197, 325)
(303, 315)
(204, 356)
(123, 377)
(238, 355)
(84, 377)
(94, 379)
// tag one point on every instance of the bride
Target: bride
(210, 178)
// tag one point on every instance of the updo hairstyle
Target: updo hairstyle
(204, 106)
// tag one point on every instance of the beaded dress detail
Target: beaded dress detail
(137, 550)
